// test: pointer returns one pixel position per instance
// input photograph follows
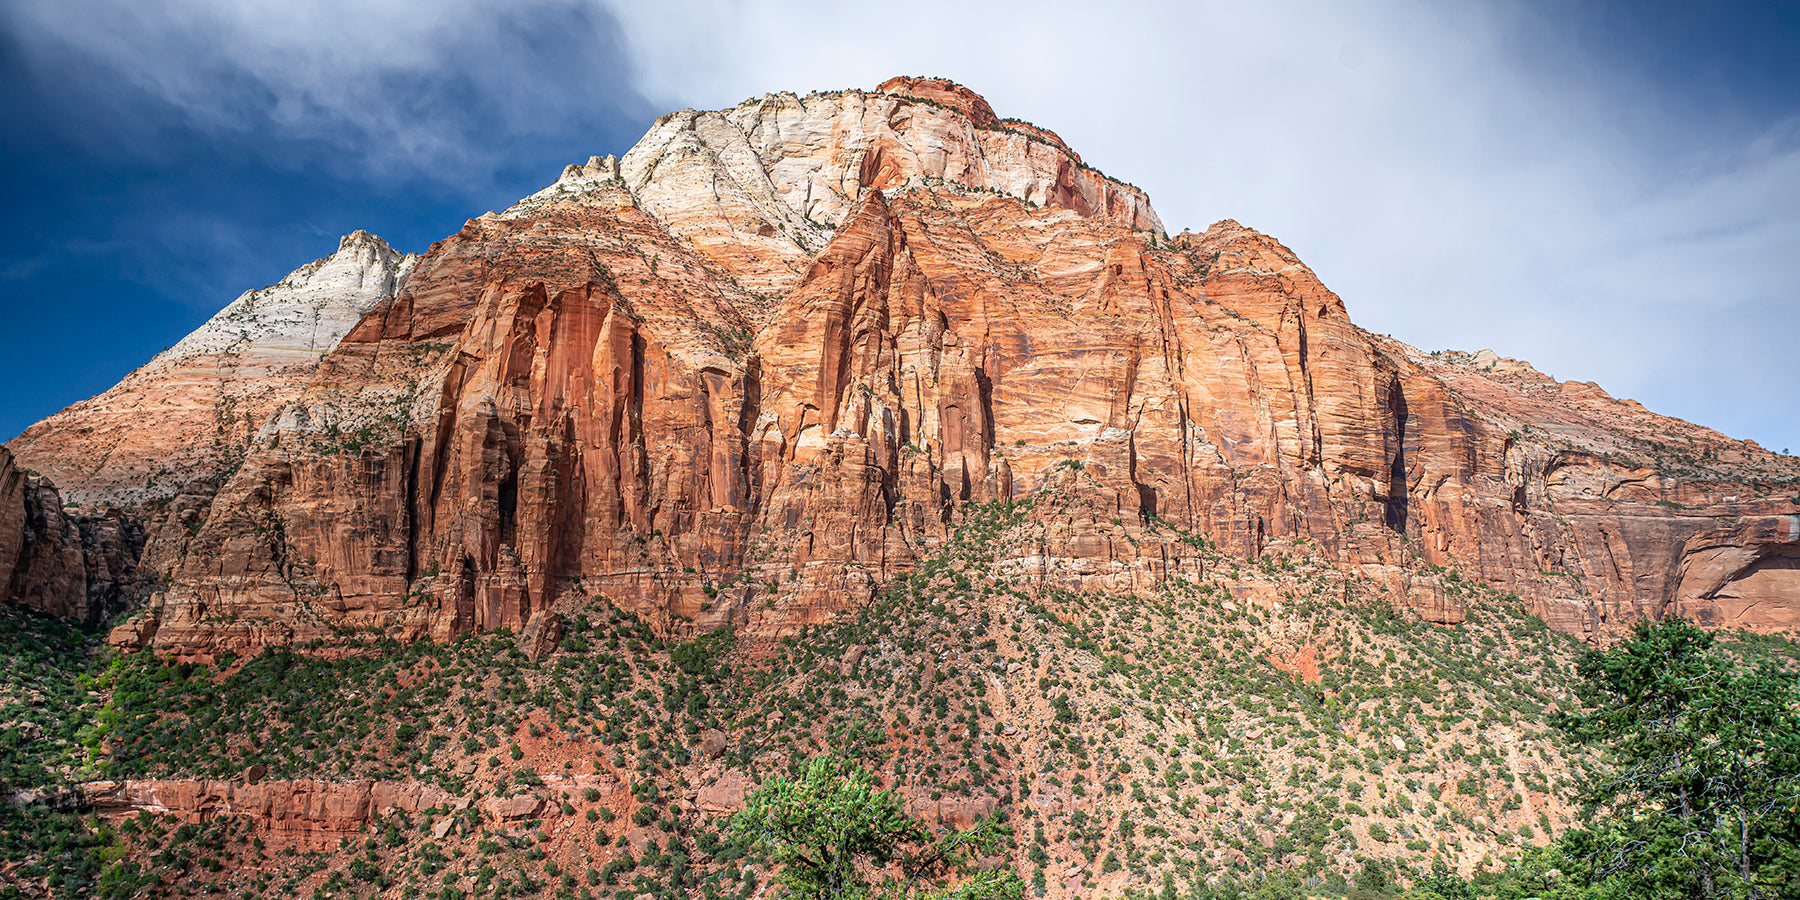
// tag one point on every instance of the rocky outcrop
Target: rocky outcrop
(79, 564)
(758, 189)
(542, 400)
(191, 412)
(138, 465)
(306, 814)
(949, 812)
(1590, 507)
(774, 354)
(50, 575)
(12, 518)
(112, 548)
(723, 794)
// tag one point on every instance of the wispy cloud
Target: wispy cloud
(401, 88)
(1464, 175)
(162, 157)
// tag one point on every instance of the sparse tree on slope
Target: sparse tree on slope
(830, 831)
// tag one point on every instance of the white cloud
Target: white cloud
(1462, 175)
(405, 87)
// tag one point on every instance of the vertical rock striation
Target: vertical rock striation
(763, 362)
(12, 518)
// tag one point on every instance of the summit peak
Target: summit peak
(944, 92)
(761, 187)
(361, 238)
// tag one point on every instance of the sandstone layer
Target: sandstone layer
(760, 365)
(307, 814)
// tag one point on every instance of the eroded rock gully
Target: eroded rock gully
(79, 563)
(754, 368)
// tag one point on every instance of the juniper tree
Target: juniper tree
(830, 831)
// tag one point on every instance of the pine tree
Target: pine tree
(1701, 794)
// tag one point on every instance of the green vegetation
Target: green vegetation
(830, 830)
(1159, 732)
(44, 842)
(1701, 797)
(1263, 727)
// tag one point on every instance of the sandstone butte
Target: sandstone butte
(759, 364)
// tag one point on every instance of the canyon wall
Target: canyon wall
(760, 364)
(314, 815)
(77, 563)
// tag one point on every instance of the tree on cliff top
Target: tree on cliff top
(1701, 797)
(829, 831)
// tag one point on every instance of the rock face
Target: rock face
(80, 564)
(51, 575)
(758, 189)
(12, 517)
(192, 411)
(1744, 572)
(766, 360)
(306, 814)
(1601, 512)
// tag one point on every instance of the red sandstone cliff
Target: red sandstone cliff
(310, 814)
(751, 370)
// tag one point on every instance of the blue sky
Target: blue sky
(1609, 190)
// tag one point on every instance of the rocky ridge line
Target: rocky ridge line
(191, 412)
(757, 366)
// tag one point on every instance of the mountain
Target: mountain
(191, 412)
(866, 422)
(749, 372)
